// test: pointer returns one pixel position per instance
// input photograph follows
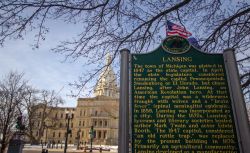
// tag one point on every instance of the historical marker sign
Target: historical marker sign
(181, 101)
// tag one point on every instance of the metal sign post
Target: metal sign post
(239, 107)
(123, 142)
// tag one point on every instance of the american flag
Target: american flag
(174, 29)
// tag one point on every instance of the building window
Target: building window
(71, 125)
(40, 114)
(94, 134)
(82, 133)
(71, 135)
(100, 123)
(83, 123)
(61, 115)
(36, 133)
(80, 123)
(95, 123)
(81, 113)
(60, 125)
(100, 134)
(72, 116)
(56, 116)
(106, 123)
(54, 134)
(104, 134)
(84, 113)
(59, 134)
(66, 116)
(96, 113)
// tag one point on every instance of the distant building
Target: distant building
(101, 112)
(53, 128)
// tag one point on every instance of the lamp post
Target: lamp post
(78, 138)
(46, 135)
(91, 137)
(68, 117)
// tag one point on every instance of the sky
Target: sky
(43, 68)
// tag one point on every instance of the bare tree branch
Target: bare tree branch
(109, 26)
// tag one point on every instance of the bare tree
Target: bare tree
(30, 100)
(41, 112)
(11, 96)
(108, 26)
(17, 98)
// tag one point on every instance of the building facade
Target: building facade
(100, 111)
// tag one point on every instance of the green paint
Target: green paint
(175, 45)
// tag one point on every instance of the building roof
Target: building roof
(107, 83)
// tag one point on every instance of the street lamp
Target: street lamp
(46, 133)
(78, 138)
(91, 132)
(69, 116)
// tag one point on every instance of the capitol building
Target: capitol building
(100, 111)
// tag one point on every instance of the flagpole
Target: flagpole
(166, 24)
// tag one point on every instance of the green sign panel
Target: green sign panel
(181, 102)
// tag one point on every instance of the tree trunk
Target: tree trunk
(4, 141)
(3, 148)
